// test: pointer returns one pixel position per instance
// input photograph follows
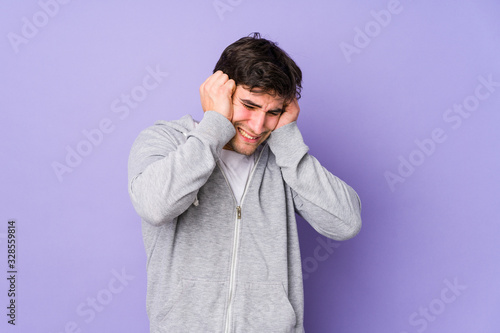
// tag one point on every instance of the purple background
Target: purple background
(361, 113)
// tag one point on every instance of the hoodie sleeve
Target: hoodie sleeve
(330, 205)
(166, 172)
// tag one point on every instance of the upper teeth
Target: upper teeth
(247, 136)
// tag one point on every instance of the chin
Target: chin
(246, 151)
(243, 148)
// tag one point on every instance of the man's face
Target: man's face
(255, 116)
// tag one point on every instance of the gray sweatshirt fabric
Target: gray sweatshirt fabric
(213, 266)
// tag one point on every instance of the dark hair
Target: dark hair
(262, 66)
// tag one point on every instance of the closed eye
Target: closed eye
(249, 107)
(276, 113)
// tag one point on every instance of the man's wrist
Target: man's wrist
(214, 128)
(287, 143)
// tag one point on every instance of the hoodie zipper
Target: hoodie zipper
(236, 241)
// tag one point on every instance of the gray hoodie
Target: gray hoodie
(214, 266)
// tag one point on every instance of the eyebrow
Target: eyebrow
(249, 102)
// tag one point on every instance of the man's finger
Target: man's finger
(211, 79)
(231, 85)
(221, 79)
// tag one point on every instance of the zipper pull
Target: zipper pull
(238, 210)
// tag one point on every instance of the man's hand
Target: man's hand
(216, 94)
(290, 115)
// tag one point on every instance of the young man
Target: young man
(218, 200)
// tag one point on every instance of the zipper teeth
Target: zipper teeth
(233, 270)
(236, 237)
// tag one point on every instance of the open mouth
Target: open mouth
(247, 136)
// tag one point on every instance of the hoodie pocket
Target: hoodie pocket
(198, 307)
(263, 308)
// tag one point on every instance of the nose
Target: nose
(257, 122)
